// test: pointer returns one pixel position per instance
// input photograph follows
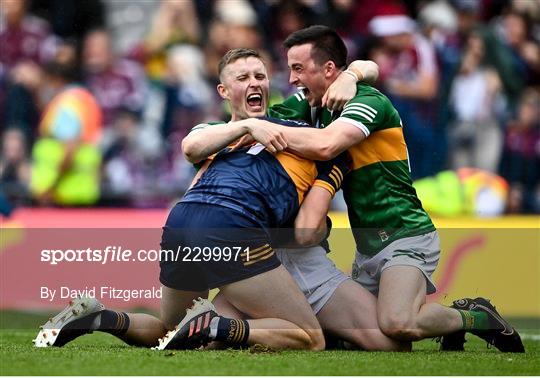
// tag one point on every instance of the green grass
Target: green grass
(102, 354)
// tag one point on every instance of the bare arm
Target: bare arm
(199, 145)
(344, 87)
(366, 70)
(315, 144)
(310, 223)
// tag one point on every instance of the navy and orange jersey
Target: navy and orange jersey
(268, 188)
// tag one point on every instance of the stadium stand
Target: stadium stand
(464, 75)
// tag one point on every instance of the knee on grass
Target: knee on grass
(400, 327)
(312, 339)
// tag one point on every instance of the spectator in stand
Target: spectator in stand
(499, 56)
(520, 163)
(475, 136)
(23, 37)
(234, 25)
(25, 43)
(116, 83)
(133, 175)
(285, 17)
(14, 166)
(66, 160)
(189, 97)
(128, 23)
(409, 75)
(515, 34)
(173, 22)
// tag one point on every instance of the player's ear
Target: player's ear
(223, 92)
(329, 68)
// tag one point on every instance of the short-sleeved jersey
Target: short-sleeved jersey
(268, 188)
(381, 201)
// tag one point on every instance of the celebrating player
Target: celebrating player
(342, 306)
(229, 212)
(397, 244)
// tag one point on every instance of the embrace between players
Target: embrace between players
(277, 171)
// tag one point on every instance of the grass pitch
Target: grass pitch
(102, 354)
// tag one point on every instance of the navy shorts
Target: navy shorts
(205, 246)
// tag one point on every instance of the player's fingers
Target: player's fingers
(338, 105)
(279, 143)
(270, 147)
(330, 103)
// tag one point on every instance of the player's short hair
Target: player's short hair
(233, 55)
(327, 44)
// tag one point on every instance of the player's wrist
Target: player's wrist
(349, 73)
(354, 72)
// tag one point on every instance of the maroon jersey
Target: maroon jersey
(30, 40)
(121, 86)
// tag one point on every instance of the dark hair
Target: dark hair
(233, 55)
(63, 71)
(327, 44)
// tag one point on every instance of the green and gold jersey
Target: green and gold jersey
(381, 201)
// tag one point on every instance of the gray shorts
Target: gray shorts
(421, 251)
(314, 272)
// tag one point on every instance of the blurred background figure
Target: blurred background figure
(514, 30)
(521, 157)
(66, 160)
(26, 43)
(409, 76)
(115, 82)
(475, 136)
(14, 170)
(463, 74)
(132, 174)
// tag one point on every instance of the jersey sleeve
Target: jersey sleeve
(368, 113)
(294, 107)
(202, 126)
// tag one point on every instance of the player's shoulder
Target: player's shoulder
(293, 107)
(370, 98)
(297, 99)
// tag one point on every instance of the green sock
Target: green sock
(474, 320)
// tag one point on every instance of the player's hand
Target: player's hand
(246, 140)
(340, 91)
(268, 134)
(332, 172)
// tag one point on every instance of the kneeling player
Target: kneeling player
(227, 209)
(344, 308)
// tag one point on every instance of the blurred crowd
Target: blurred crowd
(96, 95)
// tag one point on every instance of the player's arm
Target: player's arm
(324, 144)
(365, 70)
(310, 223)
(311, 143)
(343, 88)
(360, 117)
(205, 140)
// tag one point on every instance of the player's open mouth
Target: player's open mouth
(254, 100)
(304, 90)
